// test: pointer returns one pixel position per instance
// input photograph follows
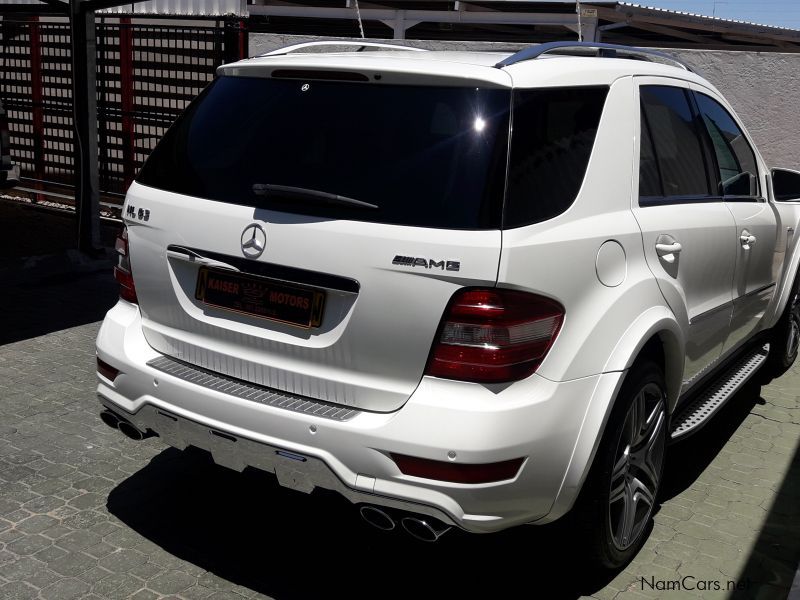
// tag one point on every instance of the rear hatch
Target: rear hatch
(307, 234)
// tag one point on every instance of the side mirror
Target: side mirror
(786, 185)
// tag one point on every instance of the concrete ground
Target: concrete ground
(88, 513)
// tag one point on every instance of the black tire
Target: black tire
(617, 467)
(784, 339)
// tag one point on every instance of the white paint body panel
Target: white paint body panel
(371, 348)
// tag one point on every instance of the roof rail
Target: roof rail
(605, 50)
(356, 44)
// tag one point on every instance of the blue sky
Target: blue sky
(785, 13)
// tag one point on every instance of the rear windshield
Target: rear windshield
(424, 156)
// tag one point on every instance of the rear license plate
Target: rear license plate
(260, 297)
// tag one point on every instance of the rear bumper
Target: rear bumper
(536, 419)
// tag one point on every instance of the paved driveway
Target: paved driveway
(87, 513)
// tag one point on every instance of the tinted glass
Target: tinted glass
(430, 156)
(675, 141)
(649, 177)
(738, 173)
(554, 132)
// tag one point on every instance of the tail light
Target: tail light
(494, 335)
(122, 271)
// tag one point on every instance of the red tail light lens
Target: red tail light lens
(494, 335)
(122, 272)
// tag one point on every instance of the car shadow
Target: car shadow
(39, 302)
(248, 530)
(47, 285)
(687, 459)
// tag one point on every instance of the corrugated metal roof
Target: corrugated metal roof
(681, 13)
(184, 8)
(177, 8)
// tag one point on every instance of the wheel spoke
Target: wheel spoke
(648, 456)
(628, 520)
(617, 493)
(641, 493)
(621, 467)
(638, 411)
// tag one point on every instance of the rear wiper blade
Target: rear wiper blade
(269, 189)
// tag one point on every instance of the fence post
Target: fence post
(37, 99)
(127, 99)
(234, 40)
(84, 106)
(244, 42)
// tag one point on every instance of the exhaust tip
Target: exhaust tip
(109, 419)
(131, 431)
(424, 529)
(377, 518)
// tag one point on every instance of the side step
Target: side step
(700, 411)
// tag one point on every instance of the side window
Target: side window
(649, 175)
(554, 132)
(736, 161)
(672, 162)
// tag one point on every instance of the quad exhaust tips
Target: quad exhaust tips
(377, 517)
(426, 529)
(127, 428)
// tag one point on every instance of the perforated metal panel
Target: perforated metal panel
(248, 391)
(711, 400)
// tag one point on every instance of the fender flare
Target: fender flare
(656, 321)
(791, 280)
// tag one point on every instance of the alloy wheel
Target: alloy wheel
(793, 339)
(638, 461)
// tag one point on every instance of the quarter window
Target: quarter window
(672, 162)
(554, 133)
(736, 161)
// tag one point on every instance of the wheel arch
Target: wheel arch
(655, 334)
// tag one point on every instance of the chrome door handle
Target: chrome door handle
(667, 249)
(747, 239)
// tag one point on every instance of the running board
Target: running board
(700, 411)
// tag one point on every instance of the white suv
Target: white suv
(461, 289)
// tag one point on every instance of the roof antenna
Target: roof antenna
(577, 10)
(360, 25)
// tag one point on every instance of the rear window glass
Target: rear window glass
(676, 155)
(426, 156)
(553, 136)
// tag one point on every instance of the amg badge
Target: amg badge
(426, 263)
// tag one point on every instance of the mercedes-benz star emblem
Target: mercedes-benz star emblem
(254, 240)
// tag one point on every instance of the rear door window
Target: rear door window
(672, 161)
(736, 161)
(423, 155)
(554, 130)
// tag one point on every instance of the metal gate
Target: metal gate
(146, 75)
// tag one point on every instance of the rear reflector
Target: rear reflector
(106, 370)
(494, 335)
(457, 472)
